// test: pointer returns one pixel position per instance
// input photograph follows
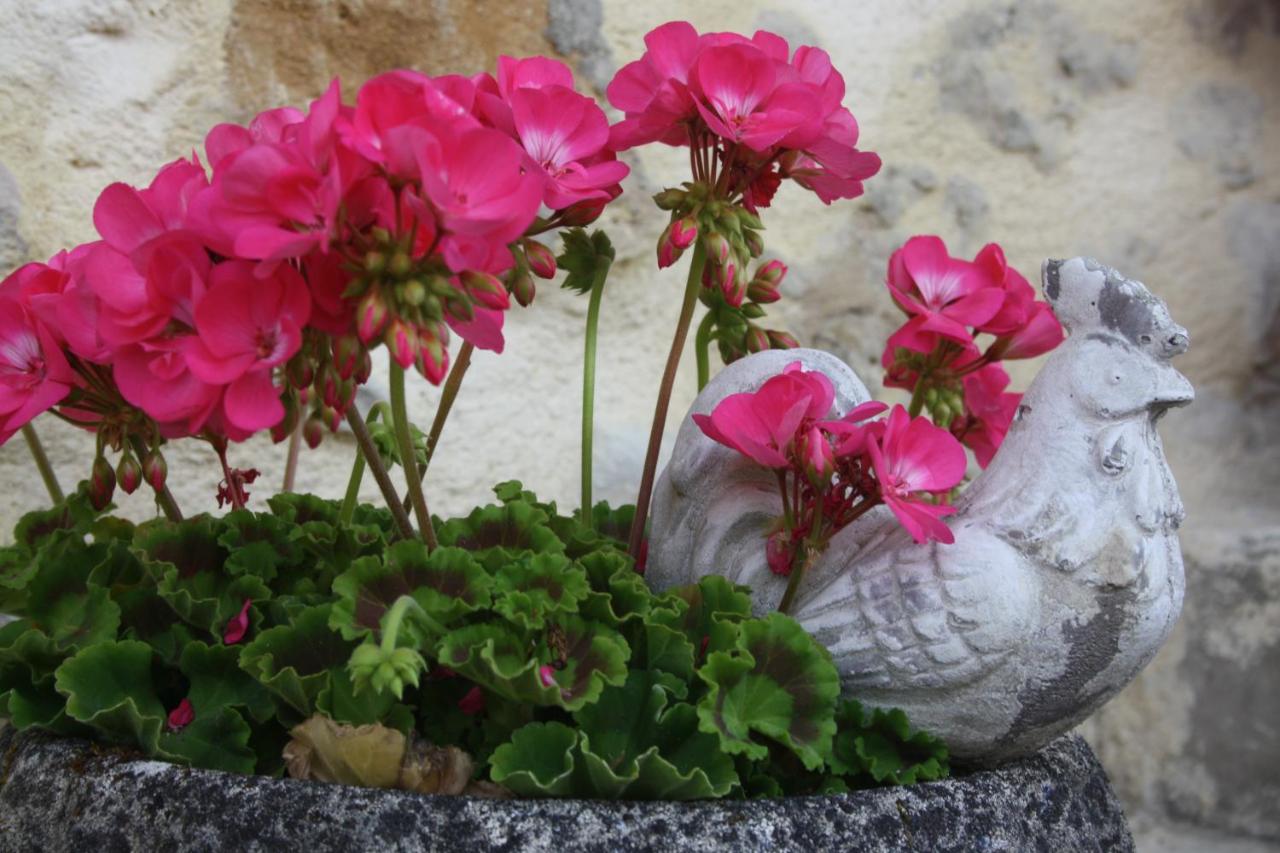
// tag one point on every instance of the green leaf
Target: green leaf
(340, 701)
(538, 761)
(446, 584)
(215, 740)
(582, 256)
(500, 534)
(217, 681)
(62, 602)
(881, 745)
(74, 514)
(583, 657)
(294, 662)
(777, 682)
(532, 590)
(108, 686)
(258, 544)
(28, 697)
(384, 439)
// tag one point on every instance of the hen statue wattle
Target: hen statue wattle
(1065, 576)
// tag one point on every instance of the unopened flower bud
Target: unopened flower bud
(487, 289)
(313, 431)
(781, 340)
(329, 380)
(129, 473)
(371, 315)
(684, 232)
(717, 247)
(402, 342)
(583, 213)
(763, 292)
(752, 311)
(816, 457)
(375, 262)
(413, 292)
(299, 371)
(670, 199)
(102, 483)
(523, 288)
(346, 355)
(541, 259)
(771, 273)
(754, 243)
(155, 469)
(749, 220)
(778, 552)
(459, 307)
(286, 425)
(364, 367)
(332, 418)
(432, 359)
(668, 251)
(400, 264)
(732, 285)
(756, 339)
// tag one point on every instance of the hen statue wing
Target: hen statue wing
(903, 616)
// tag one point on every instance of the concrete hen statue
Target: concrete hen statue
(1065, 576)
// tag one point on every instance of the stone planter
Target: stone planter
(67, 795)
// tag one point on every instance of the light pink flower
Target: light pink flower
(913, 458)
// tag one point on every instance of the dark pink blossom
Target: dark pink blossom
(181, 716)
(914, 460)
(942, 295)
(989, 411)
(34, 374)
(763, 425)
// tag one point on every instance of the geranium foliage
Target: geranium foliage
(526, 639)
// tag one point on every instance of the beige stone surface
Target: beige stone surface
(1144, 132)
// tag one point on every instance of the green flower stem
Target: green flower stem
(42, 463)
(664, 398)
(813, 549)
(917, 397)
(447, 395)
(702, 348)
(589, 383)
(395, 616)
(164, 497)
(371, 458)
(351, 497)
(400, 420)
(291, 460)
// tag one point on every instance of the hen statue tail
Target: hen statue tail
(713, 507)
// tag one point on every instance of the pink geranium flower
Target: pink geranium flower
(34, 374)
(1024, 326)
(246, 326)
(912, 459)
(989, 411)
(763, 425)
(154, 376)
(653, 90)
(59, 296)
(942, 295)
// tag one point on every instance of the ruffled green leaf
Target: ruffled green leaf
(28, 697)
(75, 514)
(258, 544)
(294, 662)
(538, 761)
(108, 687)
(73, 612)
(216, 740)
(533, 590)
(501, 534)
(777, 682)
(881, 745)
(217, 681)
(446, 584)
(582, 658)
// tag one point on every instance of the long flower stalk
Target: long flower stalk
(448, 394)
(42, 464)
(380, 475)
(291, 460)
(664, 398)
(589, 383)
(352, 496)
(400, 422)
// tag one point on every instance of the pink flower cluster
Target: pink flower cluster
(220, 300)
(764, 112)
(949, 302)
(832, 471)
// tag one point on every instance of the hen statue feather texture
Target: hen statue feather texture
(1065, 576)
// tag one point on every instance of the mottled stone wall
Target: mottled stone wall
(1143, 132)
